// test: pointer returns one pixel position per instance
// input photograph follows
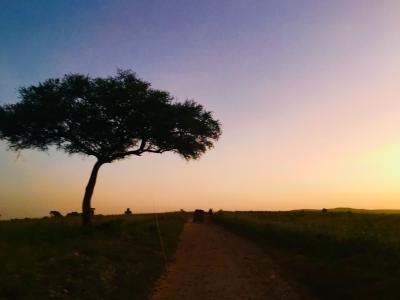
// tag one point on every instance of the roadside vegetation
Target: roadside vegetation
(337, 255)
(120, 258)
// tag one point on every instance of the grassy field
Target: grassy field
(54, 259)
(337, 255)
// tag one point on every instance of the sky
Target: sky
(308, 94)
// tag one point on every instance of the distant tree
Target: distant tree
(55, 214)
(72, 214)
(324, 210)
(109, 118)
(128, 211)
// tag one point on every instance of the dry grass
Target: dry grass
(337, 255)
(55, 259)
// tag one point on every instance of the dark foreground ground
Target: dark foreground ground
(336, 255)
(213, 263)
(54, 259)
(241, 255)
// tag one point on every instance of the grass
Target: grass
(337, 255)
(54, 259)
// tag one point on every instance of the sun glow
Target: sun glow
(384, 163)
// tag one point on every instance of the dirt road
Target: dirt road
(213, 263)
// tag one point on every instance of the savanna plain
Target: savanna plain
(334, 254)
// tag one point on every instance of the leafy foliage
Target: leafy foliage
(109, 118)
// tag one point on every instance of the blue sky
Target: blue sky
(305, 90)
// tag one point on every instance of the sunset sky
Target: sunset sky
(308, 94)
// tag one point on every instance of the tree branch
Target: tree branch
(71, 138)
(137, 151)
(84, 148)
(158, 150)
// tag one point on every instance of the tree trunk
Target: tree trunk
(86, 208)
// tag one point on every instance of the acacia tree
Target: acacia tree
(109, 118)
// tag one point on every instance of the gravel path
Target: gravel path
(213, 263)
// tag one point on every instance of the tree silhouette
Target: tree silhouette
(110, 118)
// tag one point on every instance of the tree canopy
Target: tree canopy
(109, 118)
